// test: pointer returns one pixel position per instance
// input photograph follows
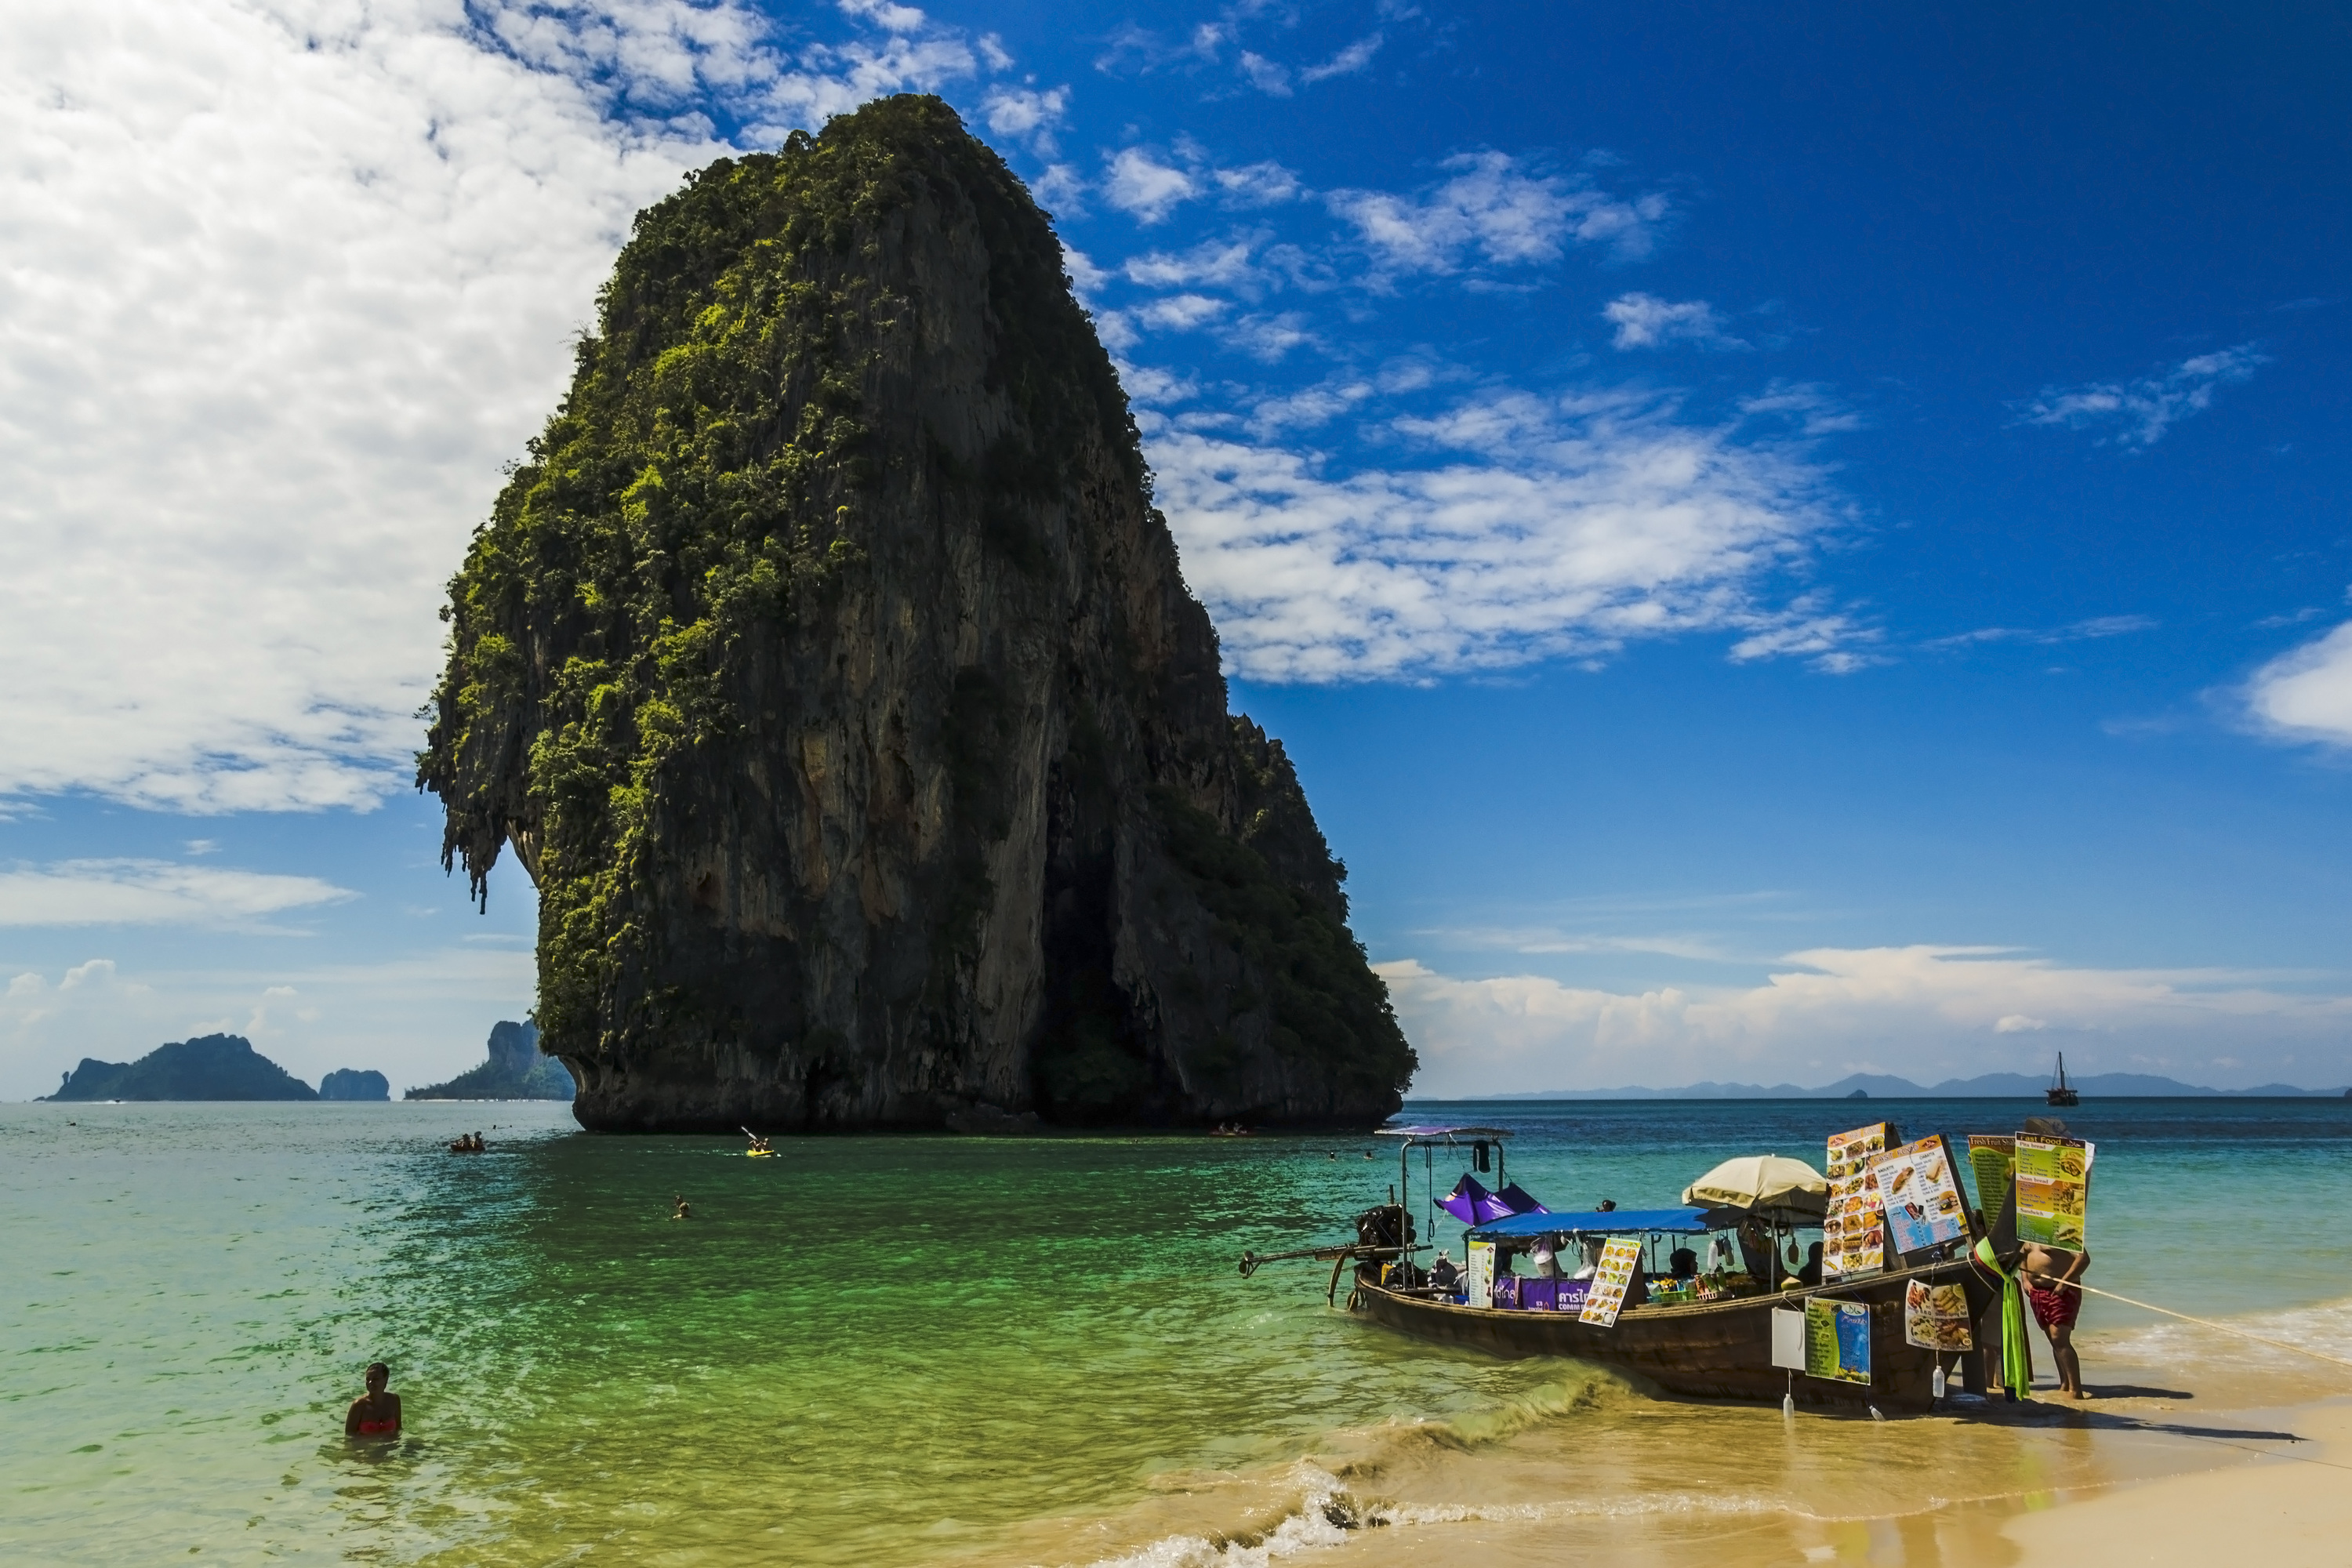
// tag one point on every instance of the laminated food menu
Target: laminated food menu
(1853, 1240)
(1837, 1340)
(1611, 1278)
(2053, 1189)
(1920, 1193)
(1935, 1317)
(1992, 1159)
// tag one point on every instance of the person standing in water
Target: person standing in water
(2049, 1276)
(682, 1209)
(375, 1413)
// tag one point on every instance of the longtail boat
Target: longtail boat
(1718, 1348)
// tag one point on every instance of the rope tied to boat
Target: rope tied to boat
(2201, 1322)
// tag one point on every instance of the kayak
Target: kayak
(760, 1153)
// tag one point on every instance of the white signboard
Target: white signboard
(1481, 1283)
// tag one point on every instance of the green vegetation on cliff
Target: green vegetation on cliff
(210, 1067)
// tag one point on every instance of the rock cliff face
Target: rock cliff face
(830, 671)
(355, 1083)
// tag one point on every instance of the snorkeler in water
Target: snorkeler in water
(375, 1413)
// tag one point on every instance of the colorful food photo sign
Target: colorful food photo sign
(1837, 1340)
(1992, 1161)
(1920, 1193)
(1935, 1317)
(2053, 1189)
(1852, 1241)
(1611, 1278)
(1479, 1283)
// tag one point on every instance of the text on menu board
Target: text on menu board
(1852, 1241)
(1992, 1159)
(1920, 1193)
(1611, 1278)
(2054, 1190)
(1837, 1340)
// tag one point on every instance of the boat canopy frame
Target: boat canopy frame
(1429, 1137)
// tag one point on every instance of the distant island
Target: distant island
(1882, 1086)
(210, 1067)
(352, 1083)
(515, 1071)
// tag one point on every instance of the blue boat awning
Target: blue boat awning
(1615, 1222)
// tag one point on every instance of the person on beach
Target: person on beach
(2049, 1276)
(375, 1414)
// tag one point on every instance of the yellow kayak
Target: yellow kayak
(760, 1153)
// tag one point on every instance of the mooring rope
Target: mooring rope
(2201, 1322)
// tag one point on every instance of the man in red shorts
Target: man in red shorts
(2050, 1275)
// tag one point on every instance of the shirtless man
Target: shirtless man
(375, 1414)
(2050, 1272)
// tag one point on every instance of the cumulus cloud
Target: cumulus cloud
(1543, 527)
(154, 892)
(1137, 183)
(2306, 695)
(1265, 75)
(283, 286)
(1493, 209)
(1647, 322)
(1924, 1012)
(2139, 413)
(1213, 263)
(1027, 113)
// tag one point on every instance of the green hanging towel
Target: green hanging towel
(2016, 1353)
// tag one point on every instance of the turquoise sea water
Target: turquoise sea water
(878, 1350)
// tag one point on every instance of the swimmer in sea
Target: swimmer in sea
(375, 1414)
(683, 1210)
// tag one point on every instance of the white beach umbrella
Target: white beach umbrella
(1770, 1185)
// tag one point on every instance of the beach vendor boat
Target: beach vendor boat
(1873, 1336)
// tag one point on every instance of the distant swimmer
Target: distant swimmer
(375, 1414)
(683, 1211)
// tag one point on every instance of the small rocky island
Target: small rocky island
(352, 1083)
(210, 1067)
(831, 673)
(516, 1070)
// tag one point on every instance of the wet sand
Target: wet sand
(2193, 1444)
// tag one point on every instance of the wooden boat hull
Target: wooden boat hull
(1714, 1350)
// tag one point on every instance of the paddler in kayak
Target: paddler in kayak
(375, 1414)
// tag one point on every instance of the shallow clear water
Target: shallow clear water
(902, 1350)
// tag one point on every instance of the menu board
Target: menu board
(1611, 1278)
(1935, 1317)
(1837, 1340)
(1992, 1161)
(1920, 1193)
(2054, 1187)
(1479, 1283)
(1852, 1241)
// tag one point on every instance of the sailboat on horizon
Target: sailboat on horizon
(2060, 1092)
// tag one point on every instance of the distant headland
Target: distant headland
(210, 1067)
(1882, 1085)
(515, 1071)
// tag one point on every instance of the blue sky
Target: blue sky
(1782, 541)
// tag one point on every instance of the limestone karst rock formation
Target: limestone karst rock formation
(830, 671)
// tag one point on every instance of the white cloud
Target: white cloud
(1180, 312)
(1268, 338)
(1547, 527)
(1061, 190)
(1493, 209)
(2306, 695)
(1925, 1013)
(1647, 322)
(884, 14)
(281, 285)
(1257, 185)
(1264, 75)
(1086, 279)
(1212, 264)
(1141, 185)
(1028, 114)
(1347, 62)
(2139, 412)
(154, 892)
